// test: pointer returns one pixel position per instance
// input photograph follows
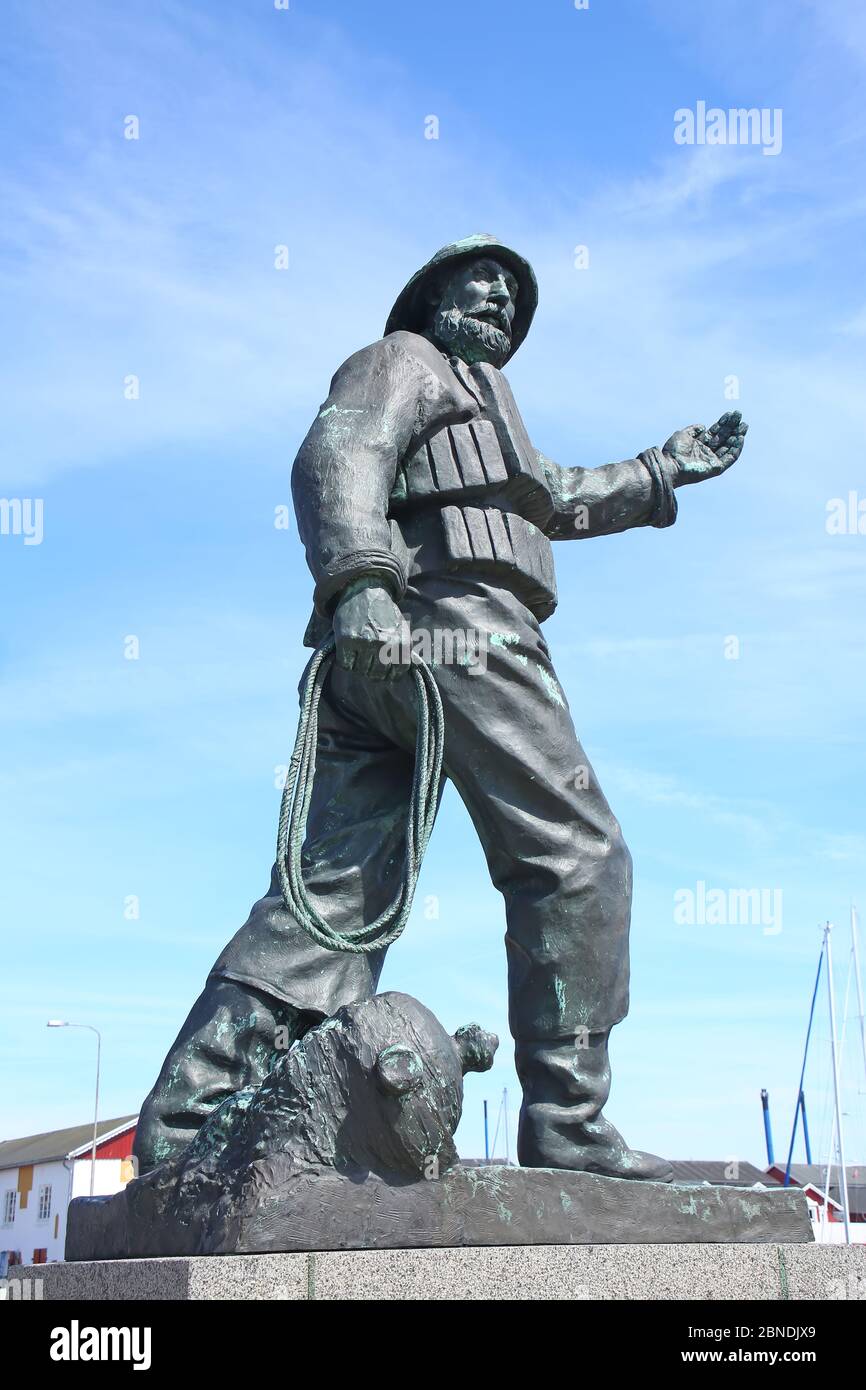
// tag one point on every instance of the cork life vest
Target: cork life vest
(474, 497)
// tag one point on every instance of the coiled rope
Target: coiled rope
(295, 806)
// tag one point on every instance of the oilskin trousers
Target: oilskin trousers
(553, 847)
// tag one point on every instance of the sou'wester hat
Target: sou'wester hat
(410, 311)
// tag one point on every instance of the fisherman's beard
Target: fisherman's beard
(471, 339)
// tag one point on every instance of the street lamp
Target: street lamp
(61, 1023)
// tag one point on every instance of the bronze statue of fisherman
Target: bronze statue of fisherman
(420, 499)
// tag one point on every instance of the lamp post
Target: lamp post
(62, 1023)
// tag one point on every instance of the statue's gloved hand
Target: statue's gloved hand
(697, 453)
(368, 627)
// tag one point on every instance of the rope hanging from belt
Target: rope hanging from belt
(295, 806)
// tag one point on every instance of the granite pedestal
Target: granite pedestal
(780, 1272)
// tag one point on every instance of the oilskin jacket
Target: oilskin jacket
(418, 463)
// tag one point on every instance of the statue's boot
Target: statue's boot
(231, 1039)
(565, 1085)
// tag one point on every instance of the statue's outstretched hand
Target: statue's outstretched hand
(705, 453)
(367, 629)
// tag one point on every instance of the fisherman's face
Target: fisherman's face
(474, 316)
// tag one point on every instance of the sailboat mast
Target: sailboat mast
(805, 1059)
(843, 1174)
(505, 1119)
(855, 947)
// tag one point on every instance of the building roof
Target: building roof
(58, 1143)
(816, 1173)
(718, 1171)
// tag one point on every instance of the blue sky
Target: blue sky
(155, 258)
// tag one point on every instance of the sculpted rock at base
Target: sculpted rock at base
(374, 1093)
(377, 1088)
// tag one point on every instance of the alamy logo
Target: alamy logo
(738, 126)
(441, 646)
(22, 516)
(846, 516)
(729, 907)
(21, 1290)
(77, 1343)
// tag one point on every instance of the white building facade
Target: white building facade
(39, 1176)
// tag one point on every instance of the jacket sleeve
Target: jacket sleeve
(383, 402)
(615, 497)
